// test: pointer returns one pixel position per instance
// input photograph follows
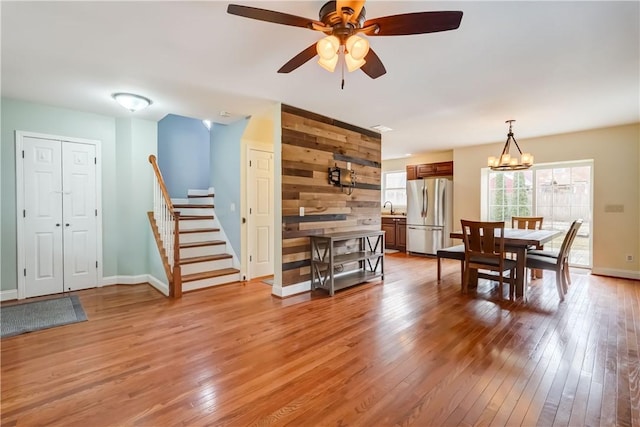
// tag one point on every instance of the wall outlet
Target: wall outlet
(301, 210)
(629, 258)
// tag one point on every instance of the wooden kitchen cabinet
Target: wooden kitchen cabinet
(395, 233)
(430, 170)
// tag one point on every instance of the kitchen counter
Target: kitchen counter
(393, 216)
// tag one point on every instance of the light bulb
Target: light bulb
(328, 47)
(352, 63)
(357, 47)
(492, 161)
(328, 64)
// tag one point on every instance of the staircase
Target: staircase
(204, 257)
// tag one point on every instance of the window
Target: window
(560, 192)
(510, 194)
(394, 188)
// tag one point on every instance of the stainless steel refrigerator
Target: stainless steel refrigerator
(429, 214)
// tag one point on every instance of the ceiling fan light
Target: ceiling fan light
(328, 47)
(352, 63)
(357, 47)
(328, 64)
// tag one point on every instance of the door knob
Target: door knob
(58, 225)
(66, 225)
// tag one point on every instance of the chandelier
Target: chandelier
(506, 162)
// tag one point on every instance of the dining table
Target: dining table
(517, 240)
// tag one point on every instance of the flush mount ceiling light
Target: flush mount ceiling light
(131, 101)
(505, 161)
(381, 128)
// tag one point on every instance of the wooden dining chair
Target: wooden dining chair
(557, 261)
(529, 223)
(484, 250)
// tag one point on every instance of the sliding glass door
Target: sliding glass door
(559, 192)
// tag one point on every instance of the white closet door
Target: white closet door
(79, 211)
(42, 217)
(60, 223)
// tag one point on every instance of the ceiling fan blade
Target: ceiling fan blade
(355, 5)
(373, 66)
(271, 16)
(299, 59)
(415, 23)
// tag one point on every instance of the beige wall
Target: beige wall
(615, 153)
(401, 163)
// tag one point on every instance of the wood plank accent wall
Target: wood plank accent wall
(311, 144)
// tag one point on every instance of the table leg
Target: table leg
(521, 269)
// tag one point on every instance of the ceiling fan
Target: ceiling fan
(343, 22)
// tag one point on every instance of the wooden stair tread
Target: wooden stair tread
(198, 196)
(206, 243)
(204, 258)
(196, 217)
(209, 274)
(200, 230)
(189, 205)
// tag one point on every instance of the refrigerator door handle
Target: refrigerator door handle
(424, 200)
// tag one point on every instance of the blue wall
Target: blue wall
(225, 177)
(183, 154)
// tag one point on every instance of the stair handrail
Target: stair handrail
(168, 232)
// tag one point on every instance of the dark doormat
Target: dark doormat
(33, 316)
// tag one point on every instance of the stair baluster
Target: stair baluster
(166, 229)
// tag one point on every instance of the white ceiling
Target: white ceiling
(553, 66)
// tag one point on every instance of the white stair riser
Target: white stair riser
(194, 224)
(206, 283)
(193, 201)
(202, 251)
(195, 211)
(199, 237)
(199, 267)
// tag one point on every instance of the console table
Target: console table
(331, 252)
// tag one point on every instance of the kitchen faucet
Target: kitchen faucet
(385, 205)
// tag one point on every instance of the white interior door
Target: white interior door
(260, 230)
(79, 208)
(42, 217)
(59, 233)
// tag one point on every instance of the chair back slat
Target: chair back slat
(527, 222)
(483, 239)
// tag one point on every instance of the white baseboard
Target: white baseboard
(287, 291)
(125, 280)
(108, 281)
(614, 272)
(136, 280)
(9, 295)
(162, 287)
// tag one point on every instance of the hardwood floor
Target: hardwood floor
(406, 352)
